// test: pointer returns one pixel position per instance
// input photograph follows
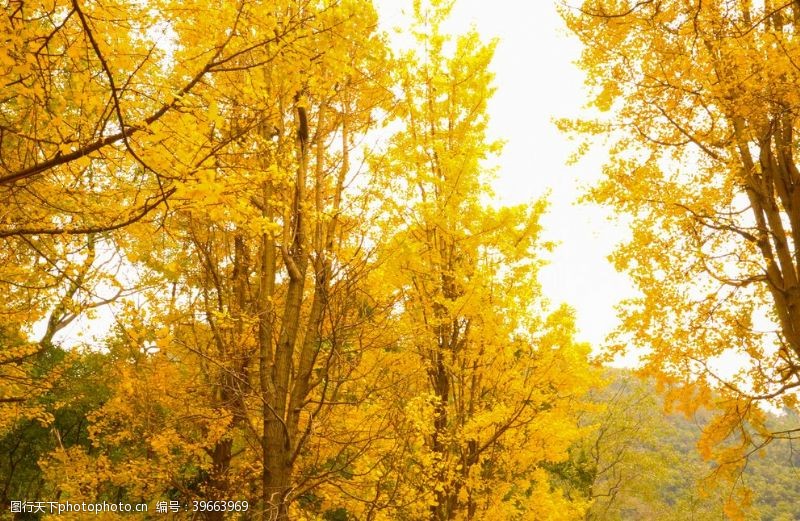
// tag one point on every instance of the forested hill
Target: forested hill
(641, 463)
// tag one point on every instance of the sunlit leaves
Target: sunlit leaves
(701, 100)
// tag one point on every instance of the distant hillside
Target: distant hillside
(640, 463)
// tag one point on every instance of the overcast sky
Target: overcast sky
(537, 81)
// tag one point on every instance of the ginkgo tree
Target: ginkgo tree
(99, 123)
(702, 117)
(252, 277)
(495, 378)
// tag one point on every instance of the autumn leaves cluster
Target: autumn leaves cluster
(700, 114)
(311, 302)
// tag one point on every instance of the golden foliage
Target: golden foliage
(701, 101)
(320, 327)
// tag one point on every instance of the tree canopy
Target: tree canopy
(702, 116)
(251, 266)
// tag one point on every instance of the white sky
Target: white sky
(537, 82)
